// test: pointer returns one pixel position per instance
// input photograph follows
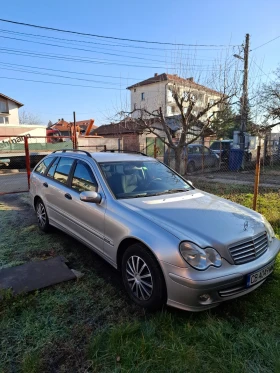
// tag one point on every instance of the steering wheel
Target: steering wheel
(152, 181)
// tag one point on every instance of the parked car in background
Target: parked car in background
(198, 156)
(173, 243)
(222, 147)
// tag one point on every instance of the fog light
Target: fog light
(204, 298)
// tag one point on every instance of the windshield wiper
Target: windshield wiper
(168, 191)
(139, 195)
(178, 190)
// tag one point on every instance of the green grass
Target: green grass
(89, 325)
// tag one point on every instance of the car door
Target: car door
(197, 155)
(88, 217)
(66, 179)
(209, 157)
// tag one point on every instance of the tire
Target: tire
(42, 216)
(149, 292)
(191, 167)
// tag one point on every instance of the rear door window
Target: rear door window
(63, 169)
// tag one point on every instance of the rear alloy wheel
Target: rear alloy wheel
(42, 216)
(191, 167)
(142, 277)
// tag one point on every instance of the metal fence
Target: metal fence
(19, 154)
(210, 160)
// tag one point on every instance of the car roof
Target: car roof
(105, 156)
(223, 141)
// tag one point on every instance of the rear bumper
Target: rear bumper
(193, 290)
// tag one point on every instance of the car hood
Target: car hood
(200, 217)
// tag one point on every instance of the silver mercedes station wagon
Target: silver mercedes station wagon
(173, 243)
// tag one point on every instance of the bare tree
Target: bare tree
(26, 117)
(195, 113)
(269, 102)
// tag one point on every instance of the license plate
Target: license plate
(261, 274)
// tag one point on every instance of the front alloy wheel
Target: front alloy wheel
(142, 277)
(139, 278)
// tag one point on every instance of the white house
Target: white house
(156, 92)
(9, 110)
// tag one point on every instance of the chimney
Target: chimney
(191, 79)
(156, 74)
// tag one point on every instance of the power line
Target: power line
(82, 49)
(77, 58)
(67, 71)
(58, 76)
(277, 37)
(110, 37)
(64, 57)
(72, 85)
(111, 44)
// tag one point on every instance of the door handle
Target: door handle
(45, 185)
(68, 196)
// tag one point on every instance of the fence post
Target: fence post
(257, 178)
(27, 160)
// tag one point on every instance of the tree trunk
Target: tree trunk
(178, 159)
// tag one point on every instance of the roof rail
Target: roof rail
(122, 151)
(73, 150)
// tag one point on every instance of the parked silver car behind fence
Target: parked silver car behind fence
(173, 243)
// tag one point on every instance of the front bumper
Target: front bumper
(186, 286)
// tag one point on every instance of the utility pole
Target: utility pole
(244, 100)
(74, 131)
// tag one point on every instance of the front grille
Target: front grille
(249, 250)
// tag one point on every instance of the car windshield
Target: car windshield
(135, 179)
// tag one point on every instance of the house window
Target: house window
(3, 106)
(4, 120)
(193, 97)
(169, 95)
(173, 109)
(211, 102)
(142, 96)
(134, 89)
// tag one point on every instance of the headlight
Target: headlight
(270, 231)
(200, 258)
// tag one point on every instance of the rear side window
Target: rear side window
(83, 179)
(41, 168)
(52, 169)
(63, 169)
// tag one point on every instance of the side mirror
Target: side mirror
(190, 182)
(90, 196)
